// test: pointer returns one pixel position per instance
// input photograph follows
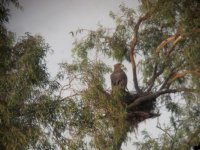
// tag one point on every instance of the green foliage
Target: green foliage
(22, 77)
(182, 133)
(5, 9)
(95, 113)
(37, 113)
(168, 18)
(100, 116)
(113, 44)
(30, 115)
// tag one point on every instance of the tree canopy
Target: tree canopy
(161, 45)
(29, 112)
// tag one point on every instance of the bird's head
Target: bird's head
(118, 65)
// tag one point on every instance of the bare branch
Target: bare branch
(156, 74)
(182, 74)
(173, 46)
(173, 38)
(171, 74)
(152, 80)
(132, 50)
(160, 127)
(70, 97)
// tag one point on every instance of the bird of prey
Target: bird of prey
(118, 78)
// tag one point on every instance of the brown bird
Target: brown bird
(118, 77)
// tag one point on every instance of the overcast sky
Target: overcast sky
(54, 19)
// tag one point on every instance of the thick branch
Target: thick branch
(153, 96)
(132, 50)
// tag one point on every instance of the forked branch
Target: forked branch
(155, 95)
(173, 38)
(182, 74)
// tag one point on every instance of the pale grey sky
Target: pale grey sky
(54, 19)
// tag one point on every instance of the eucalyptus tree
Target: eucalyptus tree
(161, 45)
(29, 111)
